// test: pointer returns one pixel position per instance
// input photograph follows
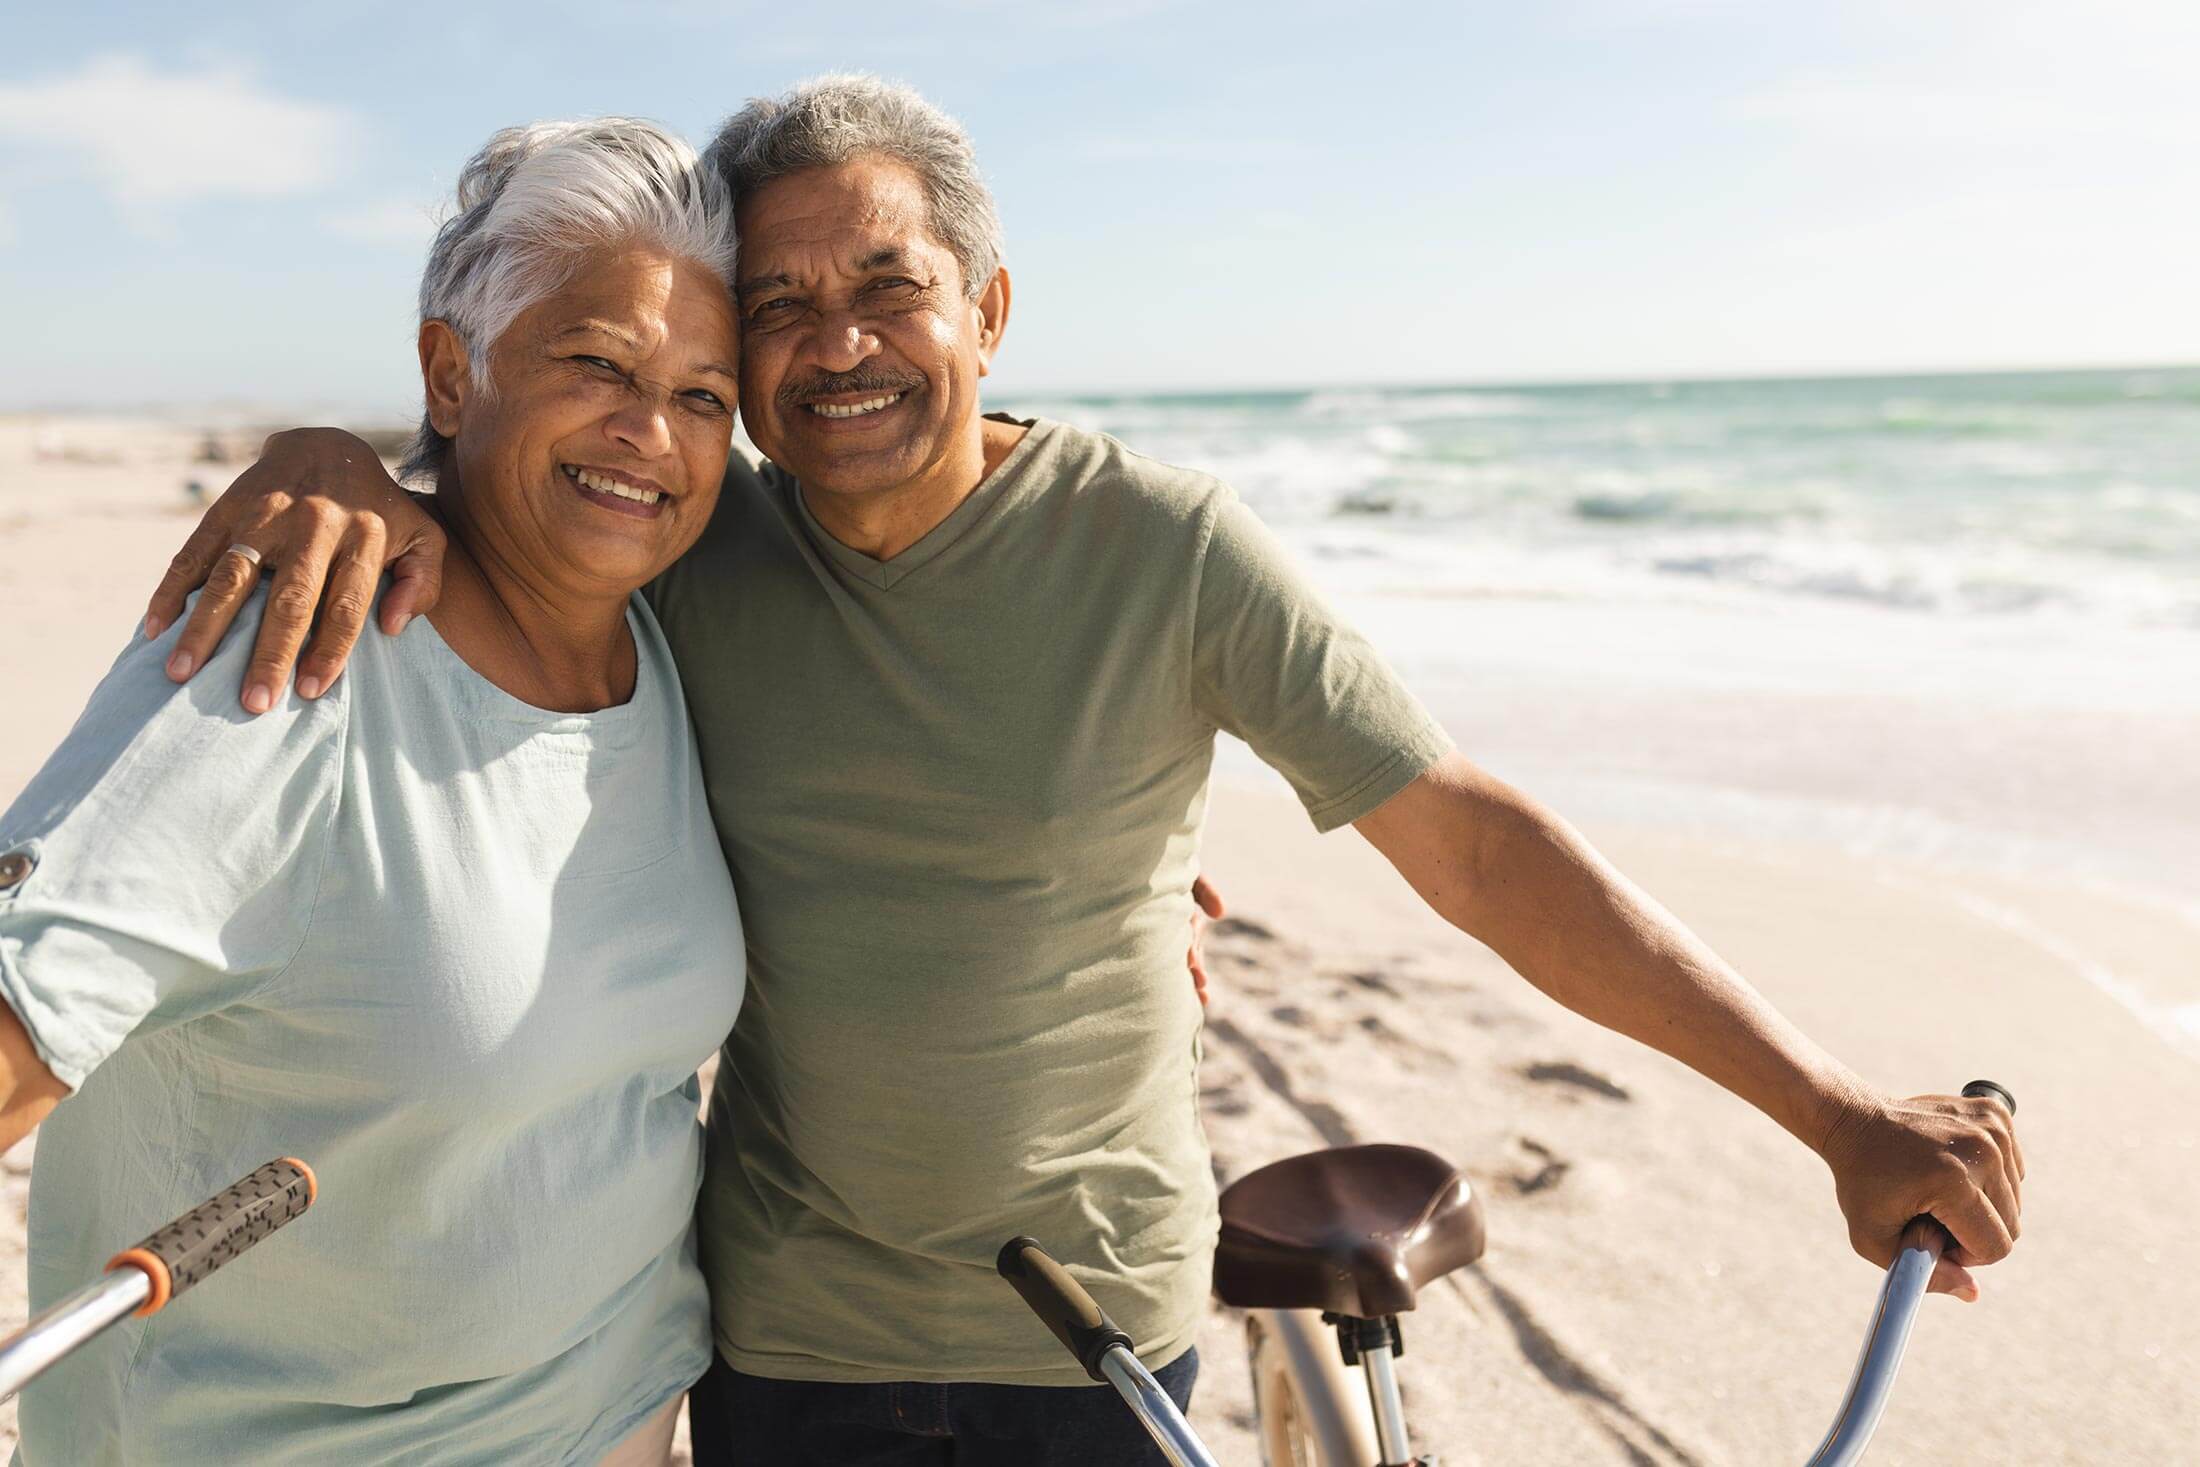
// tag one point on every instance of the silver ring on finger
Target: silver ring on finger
(252, 557)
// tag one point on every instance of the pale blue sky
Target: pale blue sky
(231, 201)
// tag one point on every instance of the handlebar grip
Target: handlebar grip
(1979, 1089)
(218, 1229)
(1061, 1303)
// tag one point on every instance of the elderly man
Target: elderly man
(957, 680)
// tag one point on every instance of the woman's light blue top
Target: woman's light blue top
(462, 956)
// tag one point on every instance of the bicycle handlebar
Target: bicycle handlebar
(1061, 1303)
(1918, 1254)
(1105, 1351)
(145, 1278)
(219, 1229)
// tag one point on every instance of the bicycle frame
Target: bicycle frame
(1336, 1396)
(1356, 1418)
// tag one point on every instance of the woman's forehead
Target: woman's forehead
(641, 298)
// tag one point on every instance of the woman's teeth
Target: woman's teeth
(854, 410)
(603, 484)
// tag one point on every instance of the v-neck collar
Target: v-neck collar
(935, 542)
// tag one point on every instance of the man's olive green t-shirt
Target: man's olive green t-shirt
(961, 792)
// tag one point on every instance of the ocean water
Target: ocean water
(1947, 625)
(2056, 494)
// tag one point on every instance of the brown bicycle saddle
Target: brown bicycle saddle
(1353, 1230)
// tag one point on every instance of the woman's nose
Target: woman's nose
(642, 425)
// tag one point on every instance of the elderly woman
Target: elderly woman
(458, 933)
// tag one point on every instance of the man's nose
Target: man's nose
(844, 344)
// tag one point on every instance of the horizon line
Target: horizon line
(237, 405)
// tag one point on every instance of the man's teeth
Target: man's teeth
(854, 410)
(603, 484)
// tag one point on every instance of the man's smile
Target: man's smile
(866, 407)
(855, 409)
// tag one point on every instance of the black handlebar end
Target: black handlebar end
(1009, 1263)
(1980, 1089)
(1061, 1303)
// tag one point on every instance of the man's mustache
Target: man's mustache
(870, 381)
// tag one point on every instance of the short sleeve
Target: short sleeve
(164, 863)
(1273, 664)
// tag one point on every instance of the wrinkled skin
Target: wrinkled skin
(847, 299)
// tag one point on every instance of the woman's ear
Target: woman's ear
(446, 375)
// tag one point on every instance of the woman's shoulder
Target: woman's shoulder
(173, 847)
(144, 737)
(157, 765)
(138, 688)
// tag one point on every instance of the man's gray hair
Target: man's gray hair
(823, 122)
(533, 202)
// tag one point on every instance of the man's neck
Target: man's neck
(567, 653)
(884, 524)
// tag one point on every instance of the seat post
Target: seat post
(1390, 1408)
(1376, 1344)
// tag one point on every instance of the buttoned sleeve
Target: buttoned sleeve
(165, 862)
(1275, 665)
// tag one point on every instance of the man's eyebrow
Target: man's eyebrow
(718, 369)
(884, 257)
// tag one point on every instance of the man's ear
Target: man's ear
(445, 375)
(992, 309)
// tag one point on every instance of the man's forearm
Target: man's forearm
(1507, 871)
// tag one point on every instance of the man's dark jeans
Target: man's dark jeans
(741, 1420)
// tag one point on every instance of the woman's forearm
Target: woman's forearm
(28, 1090)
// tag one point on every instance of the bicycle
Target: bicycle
(143, 1280)
(1338, 1241)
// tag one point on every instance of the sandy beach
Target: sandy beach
(1937, 887)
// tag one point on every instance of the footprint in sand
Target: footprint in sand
(1544, 1170)
(1224, 1100)
(1413, 1049)
(1242, 927)
(1565, 1072)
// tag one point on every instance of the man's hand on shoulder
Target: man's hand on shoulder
(318, 511)
(1952, 1157)
(1206, 907)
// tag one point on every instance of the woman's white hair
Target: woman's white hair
(533, 202)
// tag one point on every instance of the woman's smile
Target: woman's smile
(626, 494)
